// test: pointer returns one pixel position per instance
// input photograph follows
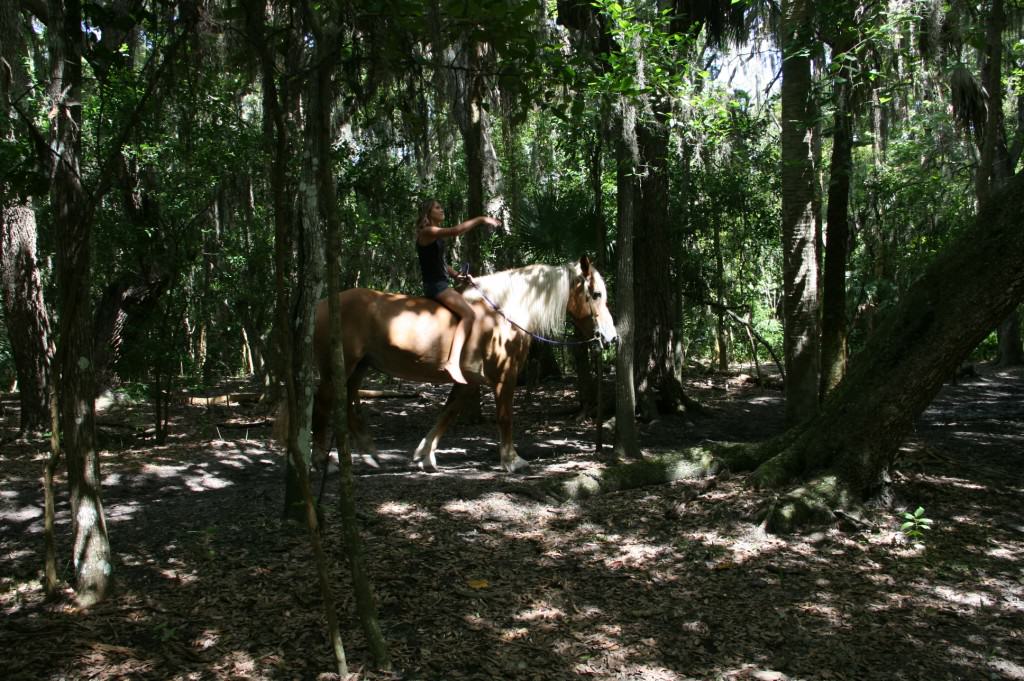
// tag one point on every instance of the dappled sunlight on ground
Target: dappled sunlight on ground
(481, 575)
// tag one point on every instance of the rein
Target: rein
(596, 338)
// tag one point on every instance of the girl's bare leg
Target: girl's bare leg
(454, 301)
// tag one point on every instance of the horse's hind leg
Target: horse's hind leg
(323, 403)
(424, 455)
(510, 459)
(361, 438)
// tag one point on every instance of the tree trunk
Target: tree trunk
(77, 385)
(628, 161)
(366, 606)
(799, 237)
(657, 325)
(1011, 351)
(721, 331)
(309, 244)
(997, 161)
(970, 286)
(28, 324)
(833, 317)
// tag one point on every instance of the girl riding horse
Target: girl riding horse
(430, 245)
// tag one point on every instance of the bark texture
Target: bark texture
(28, 324)
(799, 238)
(658, 367)
(972, 285)
(77, 384)
(627, 153)
(833, 308)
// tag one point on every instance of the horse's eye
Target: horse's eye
(596, 295)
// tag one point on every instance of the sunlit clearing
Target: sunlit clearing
(240, 664)
(105, 655)
(402, 509)
(20, 514)
(635, 555)
(971, 599)
(206, 640)
(162, 471)
(514, 634)
(959, 483)
(17, 554)
(1001, 667)
(178, 576)
(1005, 668)
(123, 511)
(540, 611)
(500, 507)
(818, 608)
(201, 483)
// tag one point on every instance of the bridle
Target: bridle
(596, 338)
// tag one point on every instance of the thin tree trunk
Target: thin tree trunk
(833, 318)
(366, 606)
(721, 332)
(799, 237)
(51, 577)
(310, 260)
(628, 155)
(1011, 351)
(73, 223)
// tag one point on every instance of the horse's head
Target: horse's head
(588, 304)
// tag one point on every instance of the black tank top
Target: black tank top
(432, 262)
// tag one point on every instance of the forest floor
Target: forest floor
(477, 576)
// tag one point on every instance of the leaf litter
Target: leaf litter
(478, 575)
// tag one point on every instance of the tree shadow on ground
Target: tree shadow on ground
(479, 577)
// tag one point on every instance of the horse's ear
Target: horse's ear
(585, 265)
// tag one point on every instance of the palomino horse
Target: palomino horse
(409, 337)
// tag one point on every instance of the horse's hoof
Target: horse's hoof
(517, 464)
(427, 464)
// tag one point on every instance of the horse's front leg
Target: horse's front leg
(424, 454)
(504, 392)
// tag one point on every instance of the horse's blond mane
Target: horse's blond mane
(534, 297)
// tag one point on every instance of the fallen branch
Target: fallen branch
(371, 394)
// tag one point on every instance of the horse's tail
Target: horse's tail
(280, 429)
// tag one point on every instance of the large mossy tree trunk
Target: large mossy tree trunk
(848, 448)
(28, 324)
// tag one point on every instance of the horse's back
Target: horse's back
(399, 334)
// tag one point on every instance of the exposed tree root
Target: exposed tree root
(696, 463)
(812, 505)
